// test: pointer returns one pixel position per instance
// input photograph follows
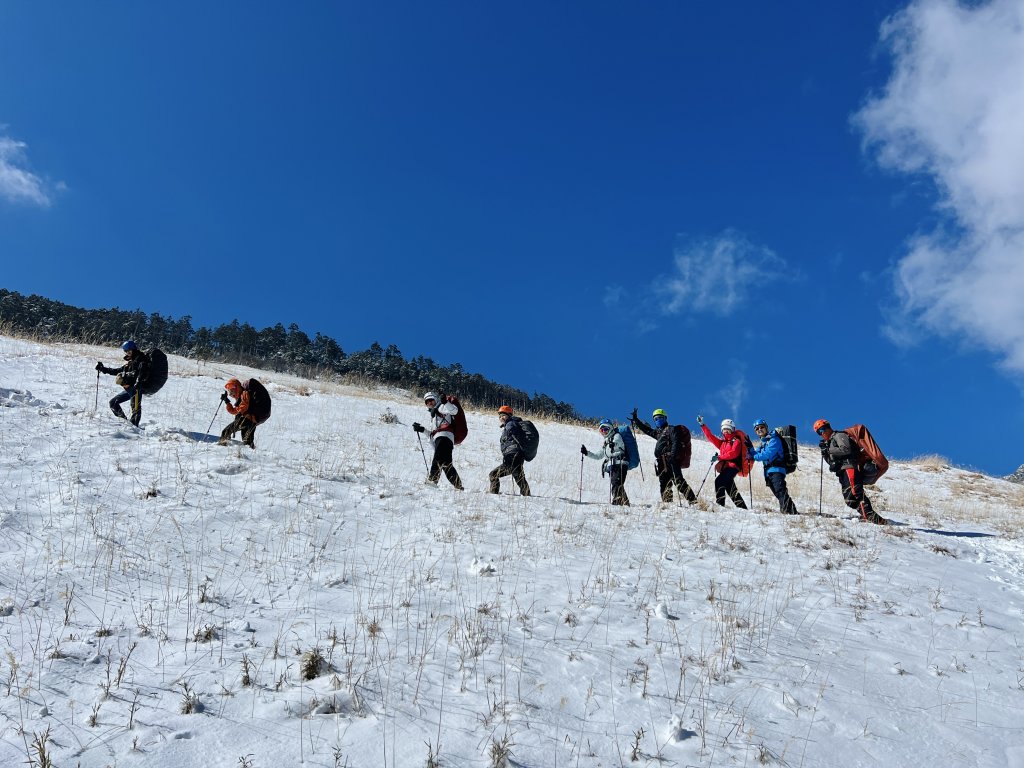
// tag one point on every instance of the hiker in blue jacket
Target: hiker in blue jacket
(616, 460)
(771, 453)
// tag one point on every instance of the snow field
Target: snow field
(167, 601)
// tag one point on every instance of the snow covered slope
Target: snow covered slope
(165, 601)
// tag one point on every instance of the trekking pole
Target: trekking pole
(420, 441)
(821, 482)
(214, 417)
(750, 485)
(581, 478)
(705, 478)
(96, 407)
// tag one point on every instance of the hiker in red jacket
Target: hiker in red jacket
(842, 454)
(730, 457)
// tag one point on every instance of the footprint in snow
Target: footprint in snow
(480, 568)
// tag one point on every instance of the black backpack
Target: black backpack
(789, 449)
(684, 445)
(155, 375)
(530, 441)
(259, 401)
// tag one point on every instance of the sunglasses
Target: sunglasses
(821, 432)
(604, 430)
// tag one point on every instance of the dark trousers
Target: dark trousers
(133, 394)
(617, 477)
(511, 464)
(853, 492)
(442, 462)
(777, 482)
(246, 425)
(669, 473)
(725, 483)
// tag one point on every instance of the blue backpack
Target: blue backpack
(632, 451)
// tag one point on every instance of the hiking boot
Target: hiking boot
(223, 441)
(877, 519)
(118, 412)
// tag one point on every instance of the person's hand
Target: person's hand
(583, 450)
(224, 397)
(714, 458)
(99, 366)
(633, 416)
(833, 466)
(417, 427)
(700, 420)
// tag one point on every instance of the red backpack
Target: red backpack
(685, 448)
(459, 426)
(871, 454)
(746, 463)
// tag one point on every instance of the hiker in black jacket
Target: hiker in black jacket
(669, 451)
(130, 376)
(512, 457)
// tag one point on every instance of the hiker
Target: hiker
(130, 376)
(442, 438)
(671, 453)
(729, 462)
(250, 409)
(512, 455)
(773, 455)
(616, 461)
(843, 455)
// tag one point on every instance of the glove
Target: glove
(700, 419)
(224, 397)
(714, 459)
(833, 467)
(99, 366)
(417, 427)
(583, 450)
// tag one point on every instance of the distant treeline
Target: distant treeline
(281, 349)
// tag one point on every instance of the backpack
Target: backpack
(872, 461)
(531, 439)
(632, 450)
(746, 463)
(259, 401)
(790, 458)
(155, 375)
(460, 429)
(685, 448)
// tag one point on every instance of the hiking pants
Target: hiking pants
(617, 476)
(511, 464)
(853, 492)
(777, 482)
(246, 425)
(669, 473)
(725, 483)
(443, 462)
(133, 394)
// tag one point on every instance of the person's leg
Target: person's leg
(618, 480)
(495, 475)
(519, 475)
(115, 402)
(249, 432)
(229, 431)
(664, 479)
(682, 486)
(777, 482)
(443, 458)
(136, 400)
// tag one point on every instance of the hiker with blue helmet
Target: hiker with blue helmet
(670, 453)
(772, 454)
(615, 461)
(130, 376)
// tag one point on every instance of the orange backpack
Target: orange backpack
(872, 461)
(746, 463)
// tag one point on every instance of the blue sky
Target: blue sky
(779, 210)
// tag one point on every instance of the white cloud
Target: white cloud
(17, 183)
(953, 110)
(717, 275)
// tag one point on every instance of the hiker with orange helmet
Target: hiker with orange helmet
(250, 409)
(843, 458)
(442, 437)
(512, 456)
(729, 461)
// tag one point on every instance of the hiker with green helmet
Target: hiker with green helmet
(615, 460)
(671, 453)
(772, 454)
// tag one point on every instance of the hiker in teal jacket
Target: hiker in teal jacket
(616, 460)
